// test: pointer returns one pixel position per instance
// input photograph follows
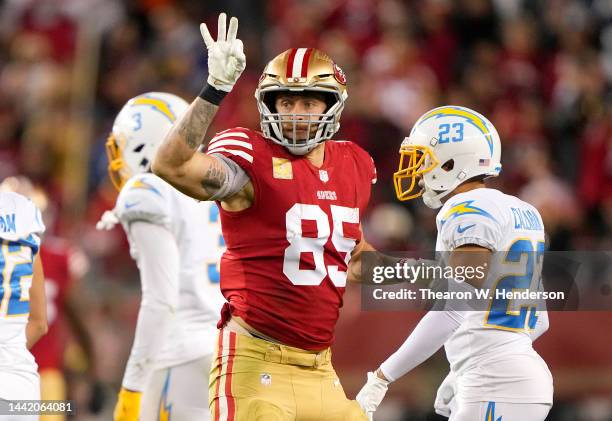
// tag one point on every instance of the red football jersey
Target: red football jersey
(284, 271)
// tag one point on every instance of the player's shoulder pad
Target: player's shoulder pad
(239, 144)
(363, 158)
(477, 205)
(472, 217)
(145, 197)
(20, 219)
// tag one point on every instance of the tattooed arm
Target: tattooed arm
(177, 160)
(196, 174)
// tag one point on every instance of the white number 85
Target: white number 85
(299, 244)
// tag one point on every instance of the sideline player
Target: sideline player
(64, 266)
(291, 202)
(450, 152)
(23, 318)
(176, 242)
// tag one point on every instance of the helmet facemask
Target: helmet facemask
(447, 146)
(415, 161)
(118, 170)
(319, 127)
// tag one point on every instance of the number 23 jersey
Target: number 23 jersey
(492, 352)
(284, 271)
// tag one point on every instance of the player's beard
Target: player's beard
(302, 134)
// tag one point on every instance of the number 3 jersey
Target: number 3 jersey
(195, 228)
(491, 351)
(284, 271)
(20, 229)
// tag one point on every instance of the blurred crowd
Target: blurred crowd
(540, 70)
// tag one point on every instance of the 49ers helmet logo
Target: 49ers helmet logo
(339, 74)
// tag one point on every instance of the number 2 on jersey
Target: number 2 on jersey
(499, 316)
(299, 244)
(17, 271)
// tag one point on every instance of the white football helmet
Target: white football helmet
(446, 147)
(138, 130)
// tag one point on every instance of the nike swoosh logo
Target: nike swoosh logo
(130, 205)
(461, 230)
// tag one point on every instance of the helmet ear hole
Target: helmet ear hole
(448, 165)
(269, 98)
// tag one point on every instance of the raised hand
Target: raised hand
(226, 59)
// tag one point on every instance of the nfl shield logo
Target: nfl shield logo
(266, 379)
(324, 176)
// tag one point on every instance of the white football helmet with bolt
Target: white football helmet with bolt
(138, 130)
(446, 147)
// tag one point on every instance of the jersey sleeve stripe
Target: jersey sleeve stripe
(241, 154)
(229, 142)
(229, 134)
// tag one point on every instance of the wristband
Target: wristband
(212, 95)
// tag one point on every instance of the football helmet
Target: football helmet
(22, 185)
(446, 147)
(301, 70)
(138, 130)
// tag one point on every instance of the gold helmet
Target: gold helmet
(301, 70)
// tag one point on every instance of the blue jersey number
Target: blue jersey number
(498, 315)
(213, 268)
(445, 131)
(16, 266)
(137, 121)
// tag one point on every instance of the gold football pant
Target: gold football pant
(52, 387)
(257, 380)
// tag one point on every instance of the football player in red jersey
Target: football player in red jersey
(291, 202)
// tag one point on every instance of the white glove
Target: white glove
(371, 394)
(444, 403)
(108, 221)
(226, 59)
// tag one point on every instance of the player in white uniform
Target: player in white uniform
(176, 242)
(22, 299)
(496, 375)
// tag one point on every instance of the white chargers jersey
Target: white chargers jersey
(197, 230)
(20, 229)
(491, 352)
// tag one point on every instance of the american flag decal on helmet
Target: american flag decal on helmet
(484, 162)
(297, 63)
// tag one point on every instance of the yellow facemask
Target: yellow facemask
(415, 160)
(117, 170)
